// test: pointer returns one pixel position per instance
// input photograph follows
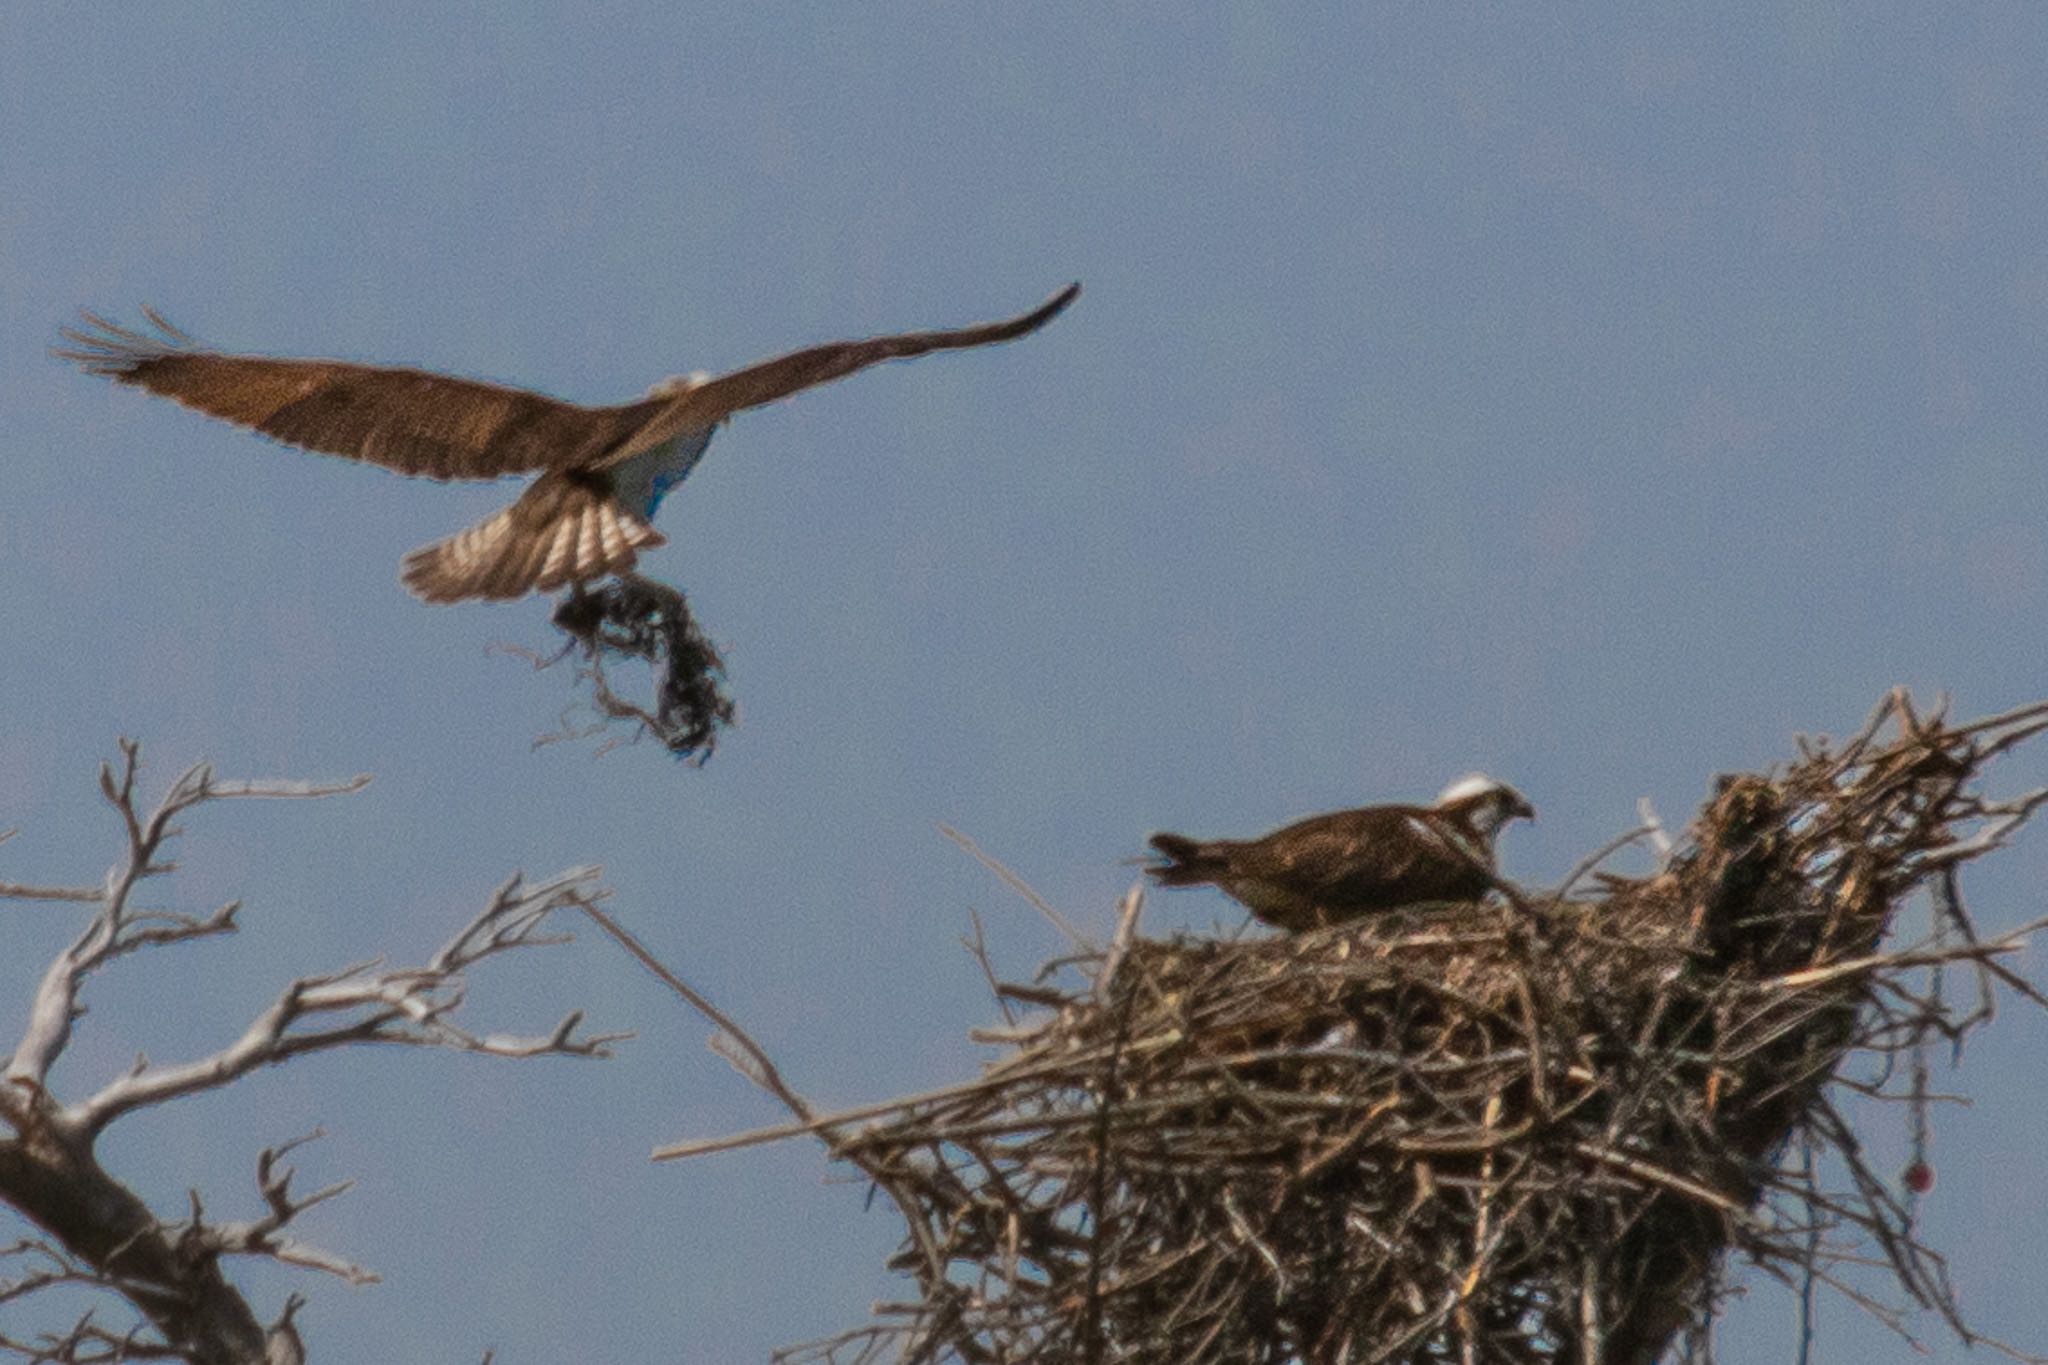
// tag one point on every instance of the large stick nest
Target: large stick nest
(1524, 1130)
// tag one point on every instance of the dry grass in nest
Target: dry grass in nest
(1521, 1131)
(631, 619)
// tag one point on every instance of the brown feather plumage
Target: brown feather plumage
(771, 380)
(431, 425)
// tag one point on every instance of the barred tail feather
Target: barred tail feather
(565, 529)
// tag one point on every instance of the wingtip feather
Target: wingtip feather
(105, 347)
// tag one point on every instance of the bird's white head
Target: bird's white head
(678, 384)
(1491, 803)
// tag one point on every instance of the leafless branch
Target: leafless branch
(1587, 864)
(101, 1236)
(1020, 886)
(1132, 905)
(40, 1265)
(116, 930)
(748, 1057)
(87, 1343)
(259, 1236)
(406, 1005)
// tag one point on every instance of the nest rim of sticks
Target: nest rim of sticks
(1527, 1129)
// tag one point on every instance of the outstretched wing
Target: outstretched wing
(717, 399)
(409, 420)
(567, 528)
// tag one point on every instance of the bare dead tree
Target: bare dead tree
(98, 1234)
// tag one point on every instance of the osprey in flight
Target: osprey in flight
(1350, 863)
(603, 471)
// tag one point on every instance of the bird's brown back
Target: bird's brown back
(1339, 866)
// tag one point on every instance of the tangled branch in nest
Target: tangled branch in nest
(1520, 1132)
(630, 617)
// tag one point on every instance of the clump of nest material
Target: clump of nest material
(639, 619)
(1527, 1130)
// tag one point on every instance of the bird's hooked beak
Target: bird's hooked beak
(1518, 808)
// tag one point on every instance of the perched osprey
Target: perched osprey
(1340, 866)
(603, 471)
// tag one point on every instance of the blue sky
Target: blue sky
(1597, 398)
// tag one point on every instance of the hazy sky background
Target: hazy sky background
(1597, 397)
